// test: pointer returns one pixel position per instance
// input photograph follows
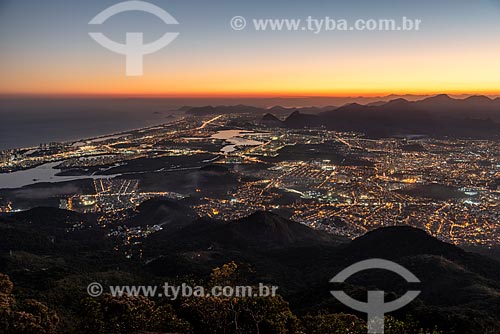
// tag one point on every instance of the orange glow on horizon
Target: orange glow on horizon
(254, 94)
(448, 69)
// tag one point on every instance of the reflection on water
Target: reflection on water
(42, 173)
(47, 172)
(234, 138)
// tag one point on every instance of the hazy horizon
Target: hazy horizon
(46, 50)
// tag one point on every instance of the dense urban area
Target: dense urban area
(227, 167)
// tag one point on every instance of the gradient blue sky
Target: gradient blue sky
(45, 49)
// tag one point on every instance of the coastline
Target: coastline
(93, 138)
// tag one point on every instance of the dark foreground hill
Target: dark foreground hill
(50, 257)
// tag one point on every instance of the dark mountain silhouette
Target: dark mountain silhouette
(206, 244)
(476, 106)
(271, 120)
(478, 100)
(201, 111)
(409, 241)
(243, 109)
(268, 228)
(442, 101)
(460, 290)
(261, 229)
(299, 120)
(51, 231)
(210, 110)
(278, 110)
(168, 214)
(465, 286)
(376, 103)
(403, 241)
(439, 115)
(49, 218)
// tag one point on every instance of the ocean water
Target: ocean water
(27, 123)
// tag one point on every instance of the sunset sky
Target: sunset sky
(45, 49)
